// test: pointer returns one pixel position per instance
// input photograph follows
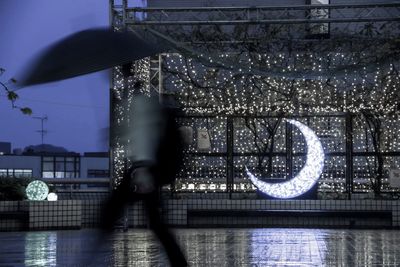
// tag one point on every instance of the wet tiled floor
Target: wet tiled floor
(204, 247)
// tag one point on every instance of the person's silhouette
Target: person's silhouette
(155, 146)
(155, 151)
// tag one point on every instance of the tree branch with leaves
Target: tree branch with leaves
(13, 96)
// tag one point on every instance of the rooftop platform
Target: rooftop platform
(204, 247)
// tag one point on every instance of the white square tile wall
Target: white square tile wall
(62, 214)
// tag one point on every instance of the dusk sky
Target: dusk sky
(77, 108)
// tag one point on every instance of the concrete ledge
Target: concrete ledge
(296, 213)
(74, 214)
(288, 213)
(63, 214)
(14, 215)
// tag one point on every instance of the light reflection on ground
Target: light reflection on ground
(204, 247)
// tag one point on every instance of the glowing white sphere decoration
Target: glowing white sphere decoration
(52, 197)
(308, 175)
(37, 190)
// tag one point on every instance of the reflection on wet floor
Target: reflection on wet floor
(204, 247)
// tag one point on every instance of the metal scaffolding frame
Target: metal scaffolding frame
(293, 14)
(176, 20)
(156, 20)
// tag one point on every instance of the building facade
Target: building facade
(47, 165)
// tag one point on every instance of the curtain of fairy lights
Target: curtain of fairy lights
(219, 92)
(124, 87)
(316, 85)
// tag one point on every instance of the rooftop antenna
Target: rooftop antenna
(42, 131)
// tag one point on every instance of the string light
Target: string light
(272, 86)
(37, 190)
(308, 175)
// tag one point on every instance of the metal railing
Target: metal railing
(290, 14)
(79, 185)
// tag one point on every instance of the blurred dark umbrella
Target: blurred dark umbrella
(90, 51)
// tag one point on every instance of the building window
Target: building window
(318, 30)
(98, 173)
(3, 173)
(48, 174)
(16, 173)
(60, 167)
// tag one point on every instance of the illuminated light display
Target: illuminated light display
(349, 87)
(308, 175)
(37, 190)
(232, 95)
(52, 197)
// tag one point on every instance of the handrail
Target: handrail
(85, 190)
(76, 180)
(73, 185)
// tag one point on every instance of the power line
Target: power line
(57, 103)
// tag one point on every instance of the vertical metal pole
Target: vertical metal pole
(126, 219)
(111, 12)
(111, 135)
(229, 157)
(42, 132)
(349, 155)
(124, 7)
(289, 150)
(160, 80)
(41, 166)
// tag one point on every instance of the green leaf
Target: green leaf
(26, 111)
(12, 96)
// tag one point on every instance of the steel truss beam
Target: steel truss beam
(298, 14)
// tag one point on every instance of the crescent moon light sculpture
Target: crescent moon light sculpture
(308, 175)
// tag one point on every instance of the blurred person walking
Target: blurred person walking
(155, 151)
(155, 148)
